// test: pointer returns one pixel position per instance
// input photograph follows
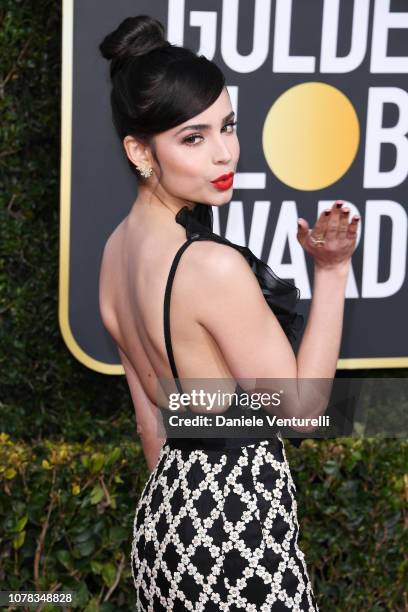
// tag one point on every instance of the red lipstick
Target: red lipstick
(224, 181)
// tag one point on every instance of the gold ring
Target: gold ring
(318, 241)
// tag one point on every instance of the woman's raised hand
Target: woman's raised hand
(332, 240)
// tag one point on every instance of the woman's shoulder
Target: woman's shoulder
(216, 260)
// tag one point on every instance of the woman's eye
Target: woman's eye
(191, 140)
(231, 124)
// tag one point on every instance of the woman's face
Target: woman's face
(197, 152)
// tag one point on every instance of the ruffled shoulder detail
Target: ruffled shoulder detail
(281, 295)
(198, 220)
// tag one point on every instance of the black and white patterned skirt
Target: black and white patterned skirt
(218, 530)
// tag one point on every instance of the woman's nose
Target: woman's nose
(221, 152)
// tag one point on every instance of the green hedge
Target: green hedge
(66, 514)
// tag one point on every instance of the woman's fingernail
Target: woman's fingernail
(327, 212)
(339, 204)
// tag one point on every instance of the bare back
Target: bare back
(134, 272)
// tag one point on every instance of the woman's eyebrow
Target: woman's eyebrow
(204, 126)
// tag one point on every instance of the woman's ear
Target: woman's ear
(136, 151)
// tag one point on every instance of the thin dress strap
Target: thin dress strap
(166, 314)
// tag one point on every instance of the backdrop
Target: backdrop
(319, 91)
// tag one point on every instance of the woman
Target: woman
(216, 527)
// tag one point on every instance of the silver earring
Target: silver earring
(146, 172)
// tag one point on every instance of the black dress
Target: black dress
(216, 525)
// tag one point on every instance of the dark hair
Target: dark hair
(155, 85)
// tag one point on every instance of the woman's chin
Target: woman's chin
(222, 197)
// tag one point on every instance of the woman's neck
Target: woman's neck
(157, 200)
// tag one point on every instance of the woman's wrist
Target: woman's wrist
(339, 269)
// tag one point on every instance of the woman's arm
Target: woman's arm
(320, 346)
(319, 349)
(233, 310)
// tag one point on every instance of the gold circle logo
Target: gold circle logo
(310, 136)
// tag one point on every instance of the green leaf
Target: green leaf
(21, 523)
(81, 596)
(85, 461)
(97, 462)
(114, 455)
(331, 467)
(93, 605)
(118, 534)
(83, 534)
(64, 557)
(18, 541)
(96, 567)
(109, 574)
(86, 548)
(96, 494)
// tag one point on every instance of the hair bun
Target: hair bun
(135, 36)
